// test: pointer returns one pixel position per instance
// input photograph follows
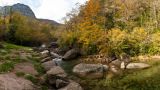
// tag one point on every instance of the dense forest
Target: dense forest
(113, 44)
(114, 26)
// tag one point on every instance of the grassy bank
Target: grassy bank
(147, 79)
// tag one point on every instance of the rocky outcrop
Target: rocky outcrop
(21, 8)
(71, 54)
(93, 71)
(26, 68)
(26, 11)
(12, 82)
(55, 76)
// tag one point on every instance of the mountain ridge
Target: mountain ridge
(24, 10)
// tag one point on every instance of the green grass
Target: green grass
(20, 74)
(147, 79)
(31, 78)
(6, 67)
(13, 46)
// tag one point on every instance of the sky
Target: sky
(47, 9)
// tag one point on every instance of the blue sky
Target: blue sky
(47, 9)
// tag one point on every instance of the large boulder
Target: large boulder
(92, 71)
(135, 66)
(55, 73)
(72, 86)
(71, 54)
(48, 65)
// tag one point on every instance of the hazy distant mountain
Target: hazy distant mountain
(24, 10)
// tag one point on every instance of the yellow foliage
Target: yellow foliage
(116, 37)
(138, 35)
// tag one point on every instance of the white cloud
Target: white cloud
(47, 9)
(8, 2)
(55, 9)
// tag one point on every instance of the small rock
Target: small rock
(44, 53)
(55, 55)
(135, 66)
(56, 70)
(116, 63)
(72, 86)
(115, 70)
(48, 65)
(46, 59)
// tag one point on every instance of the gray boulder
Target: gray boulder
(71, 54)
(48, 65)
(92, 71)
(135, 66)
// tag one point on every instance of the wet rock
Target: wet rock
(135, 66)
(72, 86)
(71, 54)
(46, 59)
(48, 65)
(57, 61)
(90, 70)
